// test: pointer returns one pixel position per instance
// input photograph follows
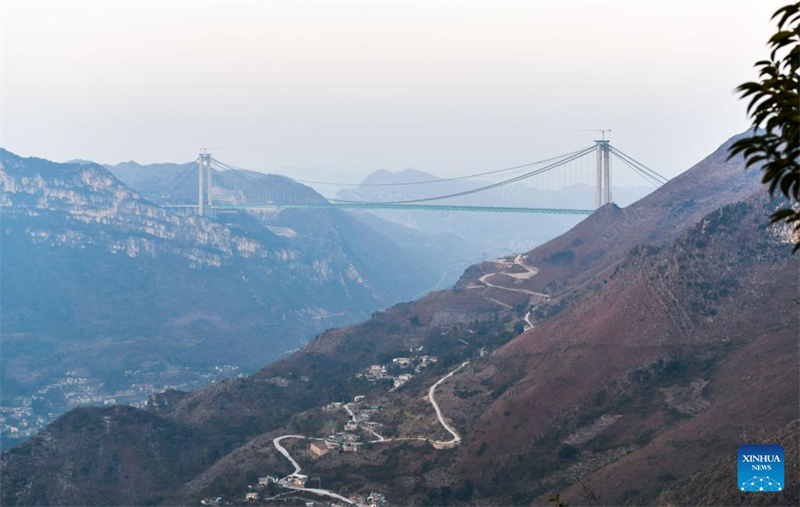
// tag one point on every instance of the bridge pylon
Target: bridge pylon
(205, 158)
(603, 177)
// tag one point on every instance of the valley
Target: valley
(585, 367)
(262, 253)
(292, 480)
(128, 299)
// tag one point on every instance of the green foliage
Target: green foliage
(775, 106)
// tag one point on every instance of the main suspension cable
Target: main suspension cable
(480, 189)
(650, 179)
(173, 186)
(440, 180)
(643, 167)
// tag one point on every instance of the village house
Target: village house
(351, 446)
(318, 449)
(297, 480)
(333, 442)
(213, 500)
(403, 362)
(350, 426)
(364, 415)
(264, 481)
(374, 499)
(376, 372)
(251, 496)
(350, 437)
(358, 398)
(373, 425)
(402, 379)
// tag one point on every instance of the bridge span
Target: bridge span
(535, 187)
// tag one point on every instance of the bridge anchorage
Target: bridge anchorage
(557, 185)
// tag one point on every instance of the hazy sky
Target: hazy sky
(342, 89)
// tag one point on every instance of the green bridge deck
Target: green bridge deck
(396, 206)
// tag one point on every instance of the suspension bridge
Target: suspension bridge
(209, 185)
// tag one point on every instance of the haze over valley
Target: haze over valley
(386, 254)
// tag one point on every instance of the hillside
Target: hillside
(438, 258)
(712, 486)
(484, 235)
(645, 367)
(603, 239)
(641, 385)
(107, 296)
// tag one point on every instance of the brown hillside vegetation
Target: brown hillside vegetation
(712, 486)
(662, 348)
(660, 329)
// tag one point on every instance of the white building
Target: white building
(351, 446)
(376, 371)
(333, 442)
(297, 480)
(402, 379)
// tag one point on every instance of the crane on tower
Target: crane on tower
(602, 132)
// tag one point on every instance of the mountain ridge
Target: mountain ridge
(191, 297)
(628, 362)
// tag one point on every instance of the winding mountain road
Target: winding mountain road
(528, 323)
(281, 449)
(530, 271)
(437, 444)
(317, 491)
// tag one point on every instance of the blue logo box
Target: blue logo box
(761, 468)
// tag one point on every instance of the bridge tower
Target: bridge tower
(205, 158)
(200, 171)
(606, 172)
(603, 179)
(208, 179)
(598, 185)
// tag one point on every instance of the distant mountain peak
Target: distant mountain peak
(382, 176)
(80, 161)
